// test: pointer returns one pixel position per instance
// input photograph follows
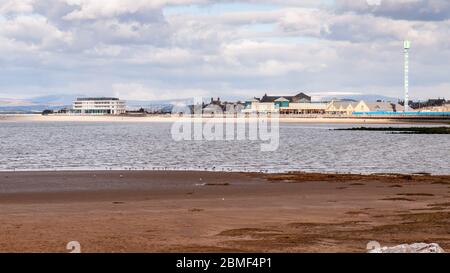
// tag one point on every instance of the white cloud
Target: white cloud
(16, 6)
(88, 9)
(138, 91)
(426, 10)
(34, 30)
(135, 49)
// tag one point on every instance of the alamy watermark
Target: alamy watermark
(213, 123)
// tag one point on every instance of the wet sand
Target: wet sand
(157, 211)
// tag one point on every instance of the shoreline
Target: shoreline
(245, 172)
(164, 211)
(162, 119)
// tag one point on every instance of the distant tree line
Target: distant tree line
(429, 103)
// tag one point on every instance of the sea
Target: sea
(27, 146)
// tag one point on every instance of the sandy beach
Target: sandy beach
(168, 118)
(159, 211)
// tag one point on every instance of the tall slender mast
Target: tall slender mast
(407, 46)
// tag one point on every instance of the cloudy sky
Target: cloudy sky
(167, 49)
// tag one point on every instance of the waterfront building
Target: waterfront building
(255, 106)
(443, 108)
(378, 107)
(214, 107)
(217, 107)
(299, 98)
(341, 107)
(298, 104)
(99, 106)
(301, 104)
(350, 107)
(439, 103)
(303, 108)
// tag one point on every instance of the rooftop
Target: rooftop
(297, 98)
(96, 98)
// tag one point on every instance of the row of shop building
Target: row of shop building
(301, 104)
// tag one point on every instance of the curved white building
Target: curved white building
(99, 106)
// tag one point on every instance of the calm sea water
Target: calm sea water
(312, 148)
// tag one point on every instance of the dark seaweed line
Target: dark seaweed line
(404, 130)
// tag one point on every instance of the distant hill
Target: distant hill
(6, 102)
(29, 108)
(354, 97)
(37, 104)
(55, 100)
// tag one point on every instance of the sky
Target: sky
(173, 49)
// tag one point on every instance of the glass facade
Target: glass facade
(282, 103)
(97, 111)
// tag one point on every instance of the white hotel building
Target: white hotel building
(99, 106)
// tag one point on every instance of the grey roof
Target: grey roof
(98, 98)
(282, 99)
(299, 97)
(344, 104)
